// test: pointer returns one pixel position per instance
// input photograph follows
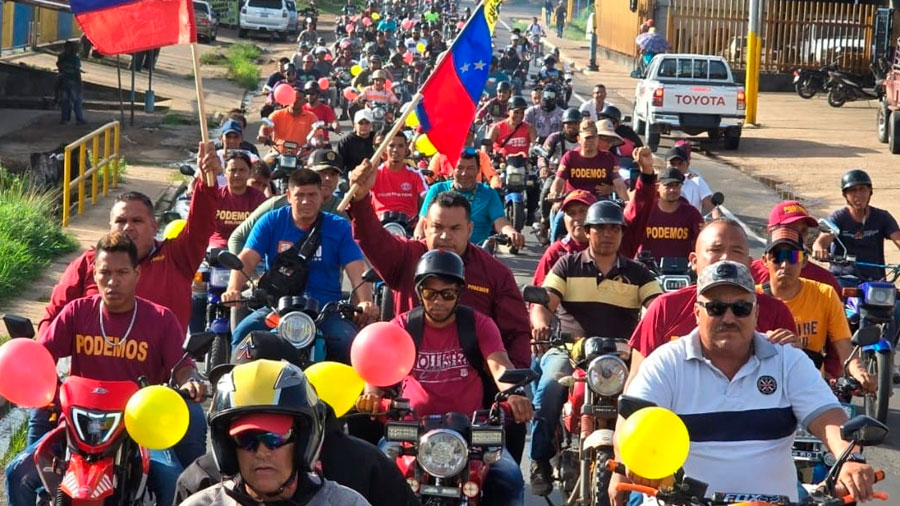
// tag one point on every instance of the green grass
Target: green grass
(17, 442)
(241, 60)
(30, 233)
(213, 58)
(331, 7)
(574, 30)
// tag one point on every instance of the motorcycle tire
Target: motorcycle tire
(876, 405)
(894, 134)
(386, 308)
(836, 97)
(219, 352)
(61, 498)
(515, 211)
(600, 480)
(881, 122)
(805, 89)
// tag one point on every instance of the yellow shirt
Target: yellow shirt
(819, 314)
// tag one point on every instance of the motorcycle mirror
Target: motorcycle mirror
(717, 198)
(18, 326)
(230, 260)
(536, 295)
(864, 431)
(186, 170)
(828, 226)
(866, 336)
(518, 377)
(198, 344)
(626, 119)
(370, 276)
(268, 123)
(628, 405)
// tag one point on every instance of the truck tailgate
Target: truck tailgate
(700, 100)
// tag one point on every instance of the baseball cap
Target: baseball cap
(725, 272)
(585, 197)
(790, 211)
(676, 152)
(587, 126)
(309, 57)
(232, 126)
(265, 422)
(322, 159)
(363, 114)
(670, 175)
(784, 235)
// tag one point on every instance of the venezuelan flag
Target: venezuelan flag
(450, 95)
(128, 26)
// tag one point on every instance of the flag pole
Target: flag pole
(208, 177)
(398, 123)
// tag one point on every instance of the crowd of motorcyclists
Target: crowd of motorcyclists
(607, 218)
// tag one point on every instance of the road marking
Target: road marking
(750, 233)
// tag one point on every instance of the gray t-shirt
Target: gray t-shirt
(331, 494)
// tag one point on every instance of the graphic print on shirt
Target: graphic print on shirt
(97, 346)
(440, 366)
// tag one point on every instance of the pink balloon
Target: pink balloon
(383, 354)
(328, 57)
(285, 94)
(407, 24)
(366, 21)
(460, 25)
(350, 28)
(27, 373)
(350, 93)
(408, 58)
(388, 83)
(323, 83)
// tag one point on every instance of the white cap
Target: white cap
(363, 114)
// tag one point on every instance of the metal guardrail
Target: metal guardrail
(109, 163)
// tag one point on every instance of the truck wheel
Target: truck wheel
(881, 121)
(894, 134)
(714, 134)
(732, 138)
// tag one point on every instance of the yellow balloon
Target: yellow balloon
(156, 417)
(355, 70)
(424, 145)
(412, 121)
(339, 385)
(174, 228)
(375, 16)
(420, 47)
(654, 443)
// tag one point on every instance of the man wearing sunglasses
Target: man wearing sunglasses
(487, 209)
(816, 307)
(459, 350)
(742, 397)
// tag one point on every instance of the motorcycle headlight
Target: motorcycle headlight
(297, 328)
(515, 176)
(443, 453)
(378, 113)
(288, 162)
(606, 375)
(95, 427)
(487, 436)
(396, 229)
(671, 283)
(879, 294)
(218, 277)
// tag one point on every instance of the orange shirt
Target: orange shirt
(289, 127)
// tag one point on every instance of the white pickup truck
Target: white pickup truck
(692, 93)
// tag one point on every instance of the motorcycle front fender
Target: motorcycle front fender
(88, 481)
(513, 197)
(598, 439)
(882, 346)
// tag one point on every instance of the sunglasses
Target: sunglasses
(741, 309)
(448, 294)
(792, 256)
(250, 441)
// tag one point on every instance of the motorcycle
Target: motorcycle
(585, 436)
(808, 82)
(518, 181)
(89, 458)
(383, 114)
(845, 87)
(672, 273)
(286, 160)
(218, 316)
(342, 78)
(445, 458)
(490, 244)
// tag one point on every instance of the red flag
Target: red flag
(126, 26)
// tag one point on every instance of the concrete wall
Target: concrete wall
(21, 81)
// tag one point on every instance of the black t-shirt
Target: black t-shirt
(354, 149)
(865, 240)
(274, 79)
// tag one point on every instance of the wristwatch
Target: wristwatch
(859, 458)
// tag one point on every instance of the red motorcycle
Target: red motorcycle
(89, 459)
(445, 458)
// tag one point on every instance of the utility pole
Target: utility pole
(751, 83)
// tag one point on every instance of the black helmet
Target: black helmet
(853, 178)
(549, 59)
(604, 212)
(445, 264)
(311, 87)
(266, 387)
(611, 112)
(572, 115)
(549, 93)
(504, 86)
(517, 102)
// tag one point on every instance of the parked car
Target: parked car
(293, 20)
(888, 122)
(692, 93)
(265, 16)
(207, 23)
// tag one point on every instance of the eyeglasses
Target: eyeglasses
(741, 308)
(250, 441)
(792, 256)
(448, 294)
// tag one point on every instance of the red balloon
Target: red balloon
(383, 354)
(27, 373)
(460, 25)
(285, 94)
(350, 93)
(408, 58)
(388, 83)
(350, 28)
(323, 83)
(366, 21)
(328, 57)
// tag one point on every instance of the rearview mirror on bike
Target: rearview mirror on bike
(864, 431)
(18, 326)
(828, 226)
(230, 260)
(866, 336)
(197, 344)
(536, 295)
(717, 199)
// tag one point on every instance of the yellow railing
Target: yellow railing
(109, 163)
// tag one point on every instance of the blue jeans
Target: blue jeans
(70, 99)
(504, 484)
(23, 481)
(337, 332)
(549, 398)
(557, 225)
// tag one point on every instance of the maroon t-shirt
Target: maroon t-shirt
(671, 234)
(582, 173)
(553, 253)
(151, 349)
(231, 211)
(671, 316)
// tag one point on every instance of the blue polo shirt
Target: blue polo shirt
(276, 232)
(485, 203)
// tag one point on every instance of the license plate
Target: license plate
(805, 455)
(439, 491)
(263, 14)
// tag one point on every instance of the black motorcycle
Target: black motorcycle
(809, 82)
(847, 87)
